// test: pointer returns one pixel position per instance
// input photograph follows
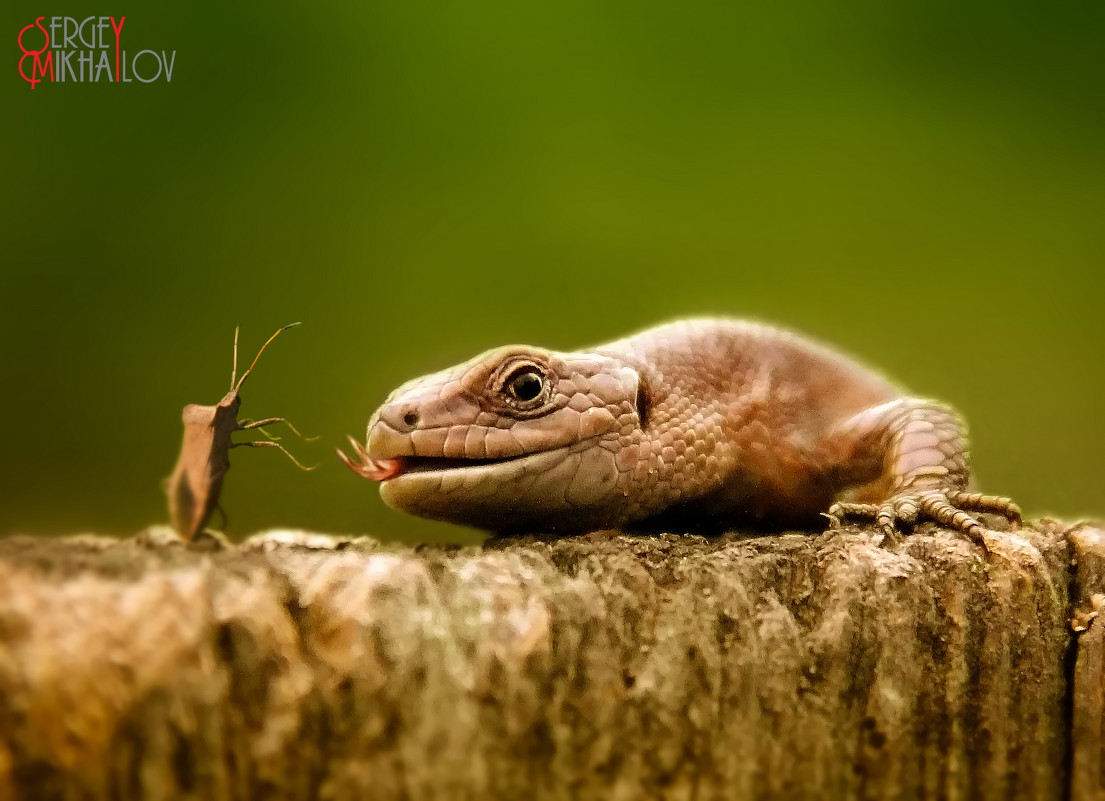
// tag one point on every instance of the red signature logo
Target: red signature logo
(40, 64)
(83, 48)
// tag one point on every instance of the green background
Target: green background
(919, 182)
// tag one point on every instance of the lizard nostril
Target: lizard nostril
(403, 416)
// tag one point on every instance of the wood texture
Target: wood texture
(1088, 657)
(297, 666)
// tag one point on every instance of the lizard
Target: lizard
(695, 425)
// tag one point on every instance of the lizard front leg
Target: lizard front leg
(919, 451)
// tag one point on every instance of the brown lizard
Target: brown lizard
(693, 426)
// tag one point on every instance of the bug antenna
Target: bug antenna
(234, 369)
(245, 375)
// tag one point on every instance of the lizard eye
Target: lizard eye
(522, 386)
(526, 385)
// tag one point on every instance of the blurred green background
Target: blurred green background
(920, 183)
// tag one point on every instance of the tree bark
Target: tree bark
(298, 666)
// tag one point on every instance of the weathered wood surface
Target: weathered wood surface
(1087, 686)
(794, 666)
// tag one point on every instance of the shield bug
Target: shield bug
(196, 481)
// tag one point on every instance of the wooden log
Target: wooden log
(1088, 657)
(298, 666)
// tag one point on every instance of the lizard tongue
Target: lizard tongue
(372, 469)
(381, 469)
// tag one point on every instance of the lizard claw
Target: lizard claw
(947, 507)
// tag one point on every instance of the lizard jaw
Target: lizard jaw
(499, 494)
(484, 493)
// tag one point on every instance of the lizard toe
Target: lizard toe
(841, 511)
(948, 508)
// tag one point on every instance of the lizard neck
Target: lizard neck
(679, 450)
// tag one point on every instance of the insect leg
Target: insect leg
(247, 424)
(222, 514)
(271, 445)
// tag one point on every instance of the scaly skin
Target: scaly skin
(697, 425)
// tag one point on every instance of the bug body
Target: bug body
(196, 482)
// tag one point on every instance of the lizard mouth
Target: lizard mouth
(424, 464)
(385, 469)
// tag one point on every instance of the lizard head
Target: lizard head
(512, 439)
